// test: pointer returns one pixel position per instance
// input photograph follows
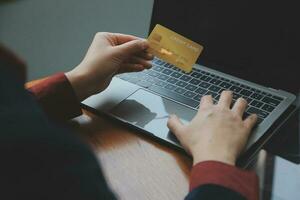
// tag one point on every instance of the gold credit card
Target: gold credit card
(174, 48)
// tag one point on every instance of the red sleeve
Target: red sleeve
(57, 97)
(213, 172)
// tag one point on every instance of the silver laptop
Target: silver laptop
(146, 99)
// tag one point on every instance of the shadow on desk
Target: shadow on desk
(138, 167)
(135, 166)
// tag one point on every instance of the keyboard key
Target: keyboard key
(124, 76)
(235, 89)
(158, 62)
(195, 81)
(246, 92)
(163, 77)
(235, 83)
(215, 81)
(144, 76)
(198, 97)
(249, 100)
(185, 78)
(235, 96)
(153, 73)
(205, 78)
(133, 79)
(170, 87)
(225, 85)
(189, 94)
(144, 84)
(191, 87)
(167, 71)
(277, 98)
(157, 68)
(181, 83)
(256, 104)
(151, 80)
(201, 91)
(167, 65)
(180, 90)
(260, 113)
(213, 94)
(243, 86)
(176, 69)
(196, 75)
(271, 101)
(175, 96)
(204, 85)
(172, 80)
(176, 75)
(226, 80)
(268, 108)
(257, 96)
(214, 88)
(161, 83)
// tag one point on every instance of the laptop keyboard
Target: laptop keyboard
(169, 81)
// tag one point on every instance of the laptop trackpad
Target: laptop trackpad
(150, 112)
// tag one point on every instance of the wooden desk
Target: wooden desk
(135, 166)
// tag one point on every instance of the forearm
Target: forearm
(224, 180)
(56, 97)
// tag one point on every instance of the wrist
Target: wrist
(224, 158)
(78, 84)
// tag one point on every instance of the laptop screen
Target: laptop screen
(251, 39)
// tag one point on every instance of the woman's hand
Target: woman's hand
(109, 54)
(216, 132)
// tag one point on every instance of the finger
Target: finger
(128, 67)
(145, 55)
(123, 38)
(206, 101)
(250, 121)
(225, 99)
(239, 106)
(138, 60)
(175, 126)
(131, 48)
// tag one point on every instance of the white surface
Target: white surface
(286, 184)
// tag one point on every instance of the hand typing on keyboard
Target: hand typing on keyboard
(217, 132)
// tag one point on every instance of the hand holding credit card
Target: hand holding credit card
(174, 48)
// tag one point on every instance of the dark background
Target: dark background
(252, 39)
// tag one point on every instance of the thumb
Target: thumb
(132, 47)
(175, 125)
